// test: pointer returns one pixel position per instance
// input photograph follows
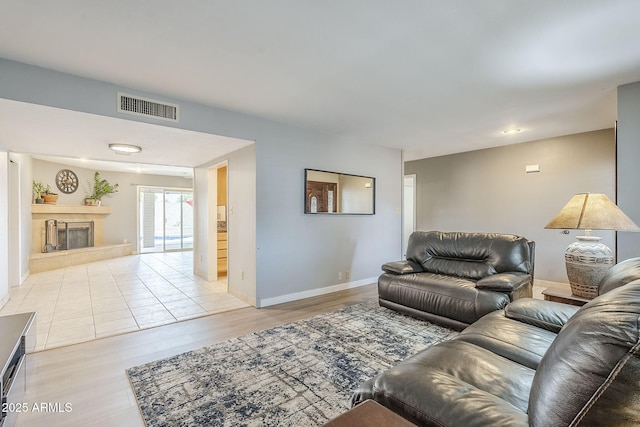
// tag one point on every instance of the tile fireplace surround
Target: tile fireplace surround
(39, 261)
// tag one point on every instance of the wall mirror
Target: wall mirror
(338, 193)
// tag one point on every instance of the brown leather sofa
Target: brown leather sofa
(455, 278)
(535, 363)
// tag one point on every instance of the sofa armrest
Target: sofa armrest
(547, 315)
(401, 267)
(503, 282)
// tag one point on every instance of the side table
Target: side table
(369, 414)
(17, 338)
(564, 296)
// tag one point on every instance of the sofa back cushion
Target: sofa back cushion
(620, 274)
(470, 255)
(590, 375)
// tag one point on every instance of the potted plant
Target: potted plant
(38, 189)
(101, 188)
(49, 196)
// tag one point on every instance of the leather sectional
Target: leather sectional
(534, 363)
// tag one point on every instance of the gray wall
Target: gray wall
(301, 251)
(628, 170)
(294, 252)
(489, 191)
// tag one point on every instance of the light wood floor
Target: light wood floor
(91, 376)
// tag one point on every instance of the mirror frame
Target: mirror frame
(306, 208)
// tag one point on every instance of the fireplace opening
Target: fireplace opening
(63, 235)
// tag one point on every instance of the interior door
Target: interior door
(408, 210)
(166, 219)
(178, 220)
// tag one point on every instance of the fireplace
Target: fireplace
(64, 235)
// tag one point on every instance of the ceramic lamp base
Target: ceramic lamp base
(587, 261)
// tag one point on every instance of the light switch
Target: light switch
(532, 168)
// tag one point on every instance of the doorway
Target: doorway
(221, 221)
(165, 219)
(409, 210)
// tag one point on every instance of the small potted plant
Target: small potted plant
(101, 187)
(49, 196)
(38, 189)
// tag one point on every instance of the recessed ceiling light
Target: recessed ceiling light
(511, 131)
(125, 148)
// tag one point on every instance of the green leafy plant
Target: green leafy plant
(102, 188)
(47, 190)
(38, 189)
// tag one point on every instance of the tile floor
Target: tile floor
(115, 296)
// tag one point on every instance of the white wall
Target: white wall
(241, 224)
(4, 225)
(241, 221)
(201, 226)
(25, 236)
(628, 154)
(296, 254)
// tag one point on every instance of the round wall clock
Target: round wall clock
(67, 181)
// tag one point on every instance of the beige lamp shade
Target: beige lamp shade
(588, 260)
(587, 211)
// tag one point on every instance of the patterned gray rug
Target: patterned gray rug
(298, 374)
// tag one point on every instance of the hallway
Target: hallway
(116, 296)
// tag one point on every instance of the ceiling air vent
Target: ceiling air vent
(147, 107)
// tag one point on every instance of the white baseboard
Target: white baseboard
(314, 292)
(25, 277)
(249, 299)
(4, 300)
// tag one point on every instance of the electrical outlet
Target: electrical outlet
(339, 275)
(347, 275)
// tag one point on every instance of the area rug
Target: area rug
(298, 374)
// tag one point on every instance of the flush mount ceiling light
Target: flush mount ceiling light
(125, 148)
(511, 131)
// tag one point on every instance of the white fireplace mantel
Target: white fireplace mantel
(69, 210)
(39, 261)
(68, 213)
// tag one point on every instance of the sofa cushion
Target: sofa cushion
(548, 315)
(520, 342)
(453, 382)
(503, 282)
(469, 255)
(445, 296)
(401, 267)
(620, 274)
(591, 373)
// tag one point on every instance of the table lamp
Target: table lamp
(587, 260)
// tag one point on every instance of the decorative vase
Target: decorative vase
(50, 199)
(587, 261)
(92, 202)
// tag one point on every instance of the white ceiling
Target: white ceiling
(82, 139)
(431, 77)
